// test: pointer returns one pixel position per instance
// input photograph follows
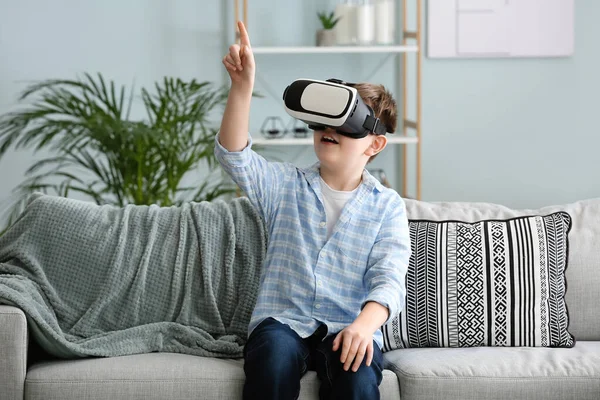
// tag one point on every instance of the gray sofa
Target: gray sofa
(412, 373)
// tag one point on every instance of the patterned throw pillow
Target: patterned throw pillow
(488, 283)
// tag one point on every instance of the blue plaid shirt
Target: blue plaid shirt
(308, 279)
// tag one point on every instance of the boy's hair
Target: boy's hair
(382, 102)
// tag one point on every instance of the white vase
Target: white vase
(385, 22)
(345, 29)
(365, 21)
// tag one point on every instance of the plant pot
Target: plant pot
(325, 37)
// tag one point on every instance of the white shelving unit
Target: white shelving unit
(406, 125)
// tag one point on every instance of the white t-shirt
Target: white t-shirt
(334, 201)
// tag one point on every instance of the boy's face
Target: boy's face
(339, 151)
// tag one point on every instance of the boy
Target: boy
(337, 256)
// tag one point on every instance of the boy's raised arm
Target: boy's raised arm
(239, 62)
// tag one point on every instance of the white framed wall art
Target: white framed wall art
(500, 28)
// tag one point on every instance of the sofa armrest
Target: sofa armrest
(13, 352)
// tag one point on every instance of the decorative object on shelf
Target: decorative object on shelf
(345, 31)
(98, 150)
(298, 128)
(365, 22)
(385, 22)
(381, 177)
(326, 35)
(272, 131)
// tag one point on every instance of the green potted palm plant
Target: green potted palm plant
(100, 152)
(326, 35)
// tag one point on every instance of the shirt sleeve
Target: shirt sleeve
(388, 262)
(258, 178)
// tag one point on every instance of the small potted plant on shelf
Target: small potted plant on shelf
(326, 35)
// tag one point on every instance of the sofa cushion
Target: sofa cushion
(583, 272)
(156, 376)
(485, 283)
(498, 373)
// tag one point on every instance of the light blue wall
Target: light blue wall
(520, 132)
(129, 41)
(523, 132)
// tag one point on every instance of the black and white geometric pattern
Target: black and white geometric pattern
(487, 283)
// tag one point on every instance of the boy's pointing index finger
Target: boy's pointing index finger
(244, 38)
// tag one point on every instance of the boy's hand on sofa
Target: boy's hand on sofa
(239, 62)
(356, 342)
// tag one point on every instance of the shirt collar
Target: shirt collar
(312, 176)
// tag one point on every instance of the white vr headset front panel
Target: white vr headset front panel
(325, 103)
(324, 99)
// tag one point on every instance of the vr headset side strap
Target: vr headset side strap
(373, 124)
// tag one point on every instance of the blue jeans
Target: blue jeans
(275, 358)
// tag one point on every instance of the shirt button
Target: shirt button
(322, 224)
(317, 306)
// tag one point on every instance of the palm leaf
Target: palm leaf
(99, 152)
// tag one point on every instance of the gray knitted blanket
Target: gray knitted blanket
(107, 281)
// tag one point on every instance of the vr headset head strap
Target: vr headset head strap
(372, 123)
(340, 82)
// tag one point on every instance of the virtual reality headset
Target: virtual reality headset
(331, 103)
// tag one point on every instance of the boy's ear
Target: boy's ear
(377, 145)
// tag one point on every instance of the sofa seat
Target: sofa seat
(155, 376)
(498, 373)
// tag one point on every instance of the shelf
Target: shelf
(290, 141)
(334, 49)
(409, 40)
